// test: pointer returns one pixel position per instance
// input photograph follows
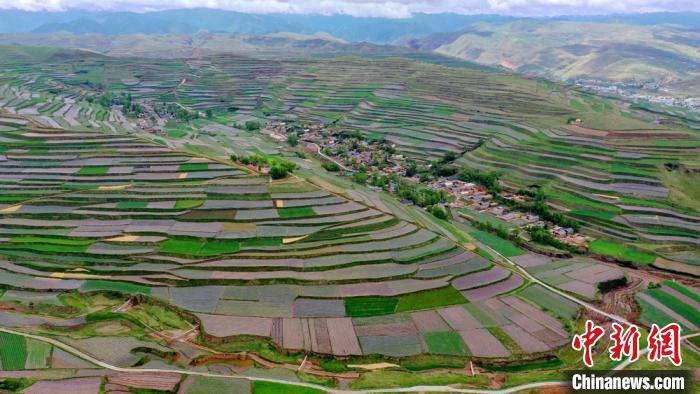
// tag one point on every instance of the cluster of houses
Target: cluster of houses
(354, 152)
(151, 121)
(479, 199)
(377, 158)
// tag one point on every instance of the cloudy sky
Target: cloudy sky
(391, 8)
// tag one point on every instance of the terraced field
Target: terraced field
(629, 180)
(87, 212)
(671, 303)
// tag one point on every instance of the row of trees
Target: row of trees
(490, 181)
(279, 168)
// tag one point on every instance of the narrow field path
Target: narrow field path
(318, 151)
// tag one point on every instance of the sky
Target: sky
(372, 8)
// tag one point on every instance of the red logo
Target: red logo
(624, 343)
(587, 340)
(665, 343)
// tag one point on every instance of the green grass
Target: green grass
(296, 212)
(96, 170)
(188, 204)
(447, 342)
(370, 306)
(261, 387)
(553, 363)
(430, 299)
(607, 248)
(13, 351)
(121, 287)
(386, 378)
(500, 245)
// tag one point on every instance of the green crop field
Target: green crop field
(447, 342)
(93, 171)
(678, 306)
(193, 167)
(188, 204)
(289, 213)
(621, 252)
(261, 387)
(558, 305)
(430, 299)
(370, 306)
(500, 245)
(103, 285)
(682, 289)
(199, 248)
(38, 354)
(13, 351)
(125, 203)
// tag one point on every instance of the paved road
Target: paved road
(568, 296)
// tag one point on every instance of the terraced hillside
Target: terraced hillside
(629, 174)
(85, 213)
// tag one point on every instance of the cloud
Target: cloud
(372, 8)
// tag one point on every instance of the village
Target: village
(353, 152)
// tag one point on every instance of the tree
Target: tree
(278, 172)
(292, 140)
(252, 125)
(438, 212)
(412, 169)
(360, 177)
(331, 166)
(449, 157)
(210, 113)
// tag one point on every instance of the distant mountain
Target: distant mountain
(653, 46)
(120, 23)
(203, 43)
(576, 49)
(187, 21)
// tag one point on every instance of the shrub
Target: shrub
(438, 212)
(278, 172)
(360, 177)
(252, 125)
(331, 166)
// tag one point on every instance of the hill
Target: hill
(576, 49)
